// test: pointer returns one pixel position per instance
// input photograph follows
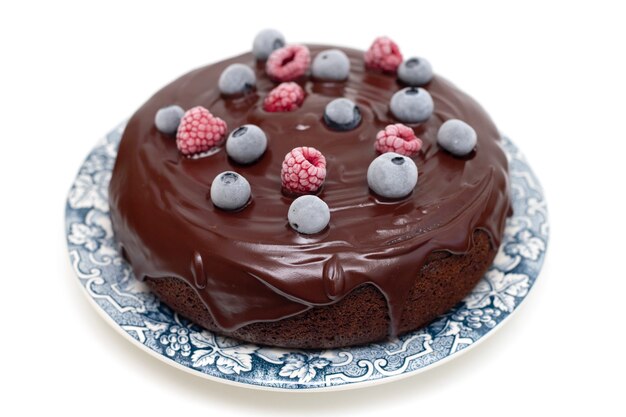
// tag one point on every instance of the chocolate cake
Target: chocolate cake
(381, 266)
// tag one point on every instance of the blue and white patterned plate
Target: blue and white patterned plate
(129, 306)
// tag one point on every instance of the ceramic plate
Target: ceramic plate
(129, 306)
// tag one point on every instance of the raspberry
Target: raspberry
(199, 131)
(285, 97)
(288, 63)
(303, 171)
(384, 55)
(398, 138)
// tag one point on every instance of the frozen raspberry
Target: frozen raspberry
(199, 131)
(285, 97)
(288, 63)
(383, 55)
(398, 138)
(303, 171)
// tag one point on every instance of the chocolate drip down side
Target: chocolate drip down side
(250, 266)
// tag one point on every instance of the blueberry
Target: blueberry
(230, 191)
(392, 175)
(342, 114)
(308, 214)
(457, 137)
(415, 72)
(331, 65)
(236, 78)
(412, 105)
(246, 144)
(168, 118)
(265, 42)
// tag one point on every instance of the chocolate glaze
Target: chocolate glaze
(250, 266)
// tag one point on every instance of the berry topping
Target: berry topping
(168, 118)
(331, 65)
(266, 42)
(236, 79)
(412, 105)
(230, 191)
(199, 131)
(308, 214)
(303, 170)
(288, 63)
(383, 55)
(342, 114)
(285, 97)
(415, 72)
(392, 175)
(457, 137)
(246, 144)
(398, 138)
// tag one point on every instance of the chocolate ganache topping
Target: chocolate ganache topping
(250, 265)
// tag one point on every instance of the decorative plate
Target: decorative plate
(130, 307)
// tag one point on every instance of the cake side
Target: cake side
(361, 316)
(248, 269)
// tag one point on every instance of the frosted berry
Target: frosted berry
(236, 79)
(457, 137)
(415, 72)
(398, 138)
(303, 170)
(342, 114)
(412, 105)
(246, 144)
(308, 214)
(230, 191)
(331, 65)
(199, 131)
(392, 175)
(288, 63)
(285, 97)
(383, 55)
(266, 42)
(168, 118)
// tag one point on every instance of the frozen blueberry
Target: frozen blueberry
(168, 118)
(415, 72)
(342, 114)
(265, 42)
(246, 144)
(331, 65)
(236, 78)
(230, 191)
(392, 175)
(412, 105)
(457, 137)
(308, 214)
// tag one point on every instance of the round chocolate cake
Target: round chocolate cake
(376, 265)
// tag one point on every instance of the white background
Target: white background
(552, 77)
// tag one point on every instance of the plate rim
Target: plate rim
(308, 390)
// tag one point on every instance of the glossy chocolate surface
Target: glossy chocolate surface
(250, 266)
